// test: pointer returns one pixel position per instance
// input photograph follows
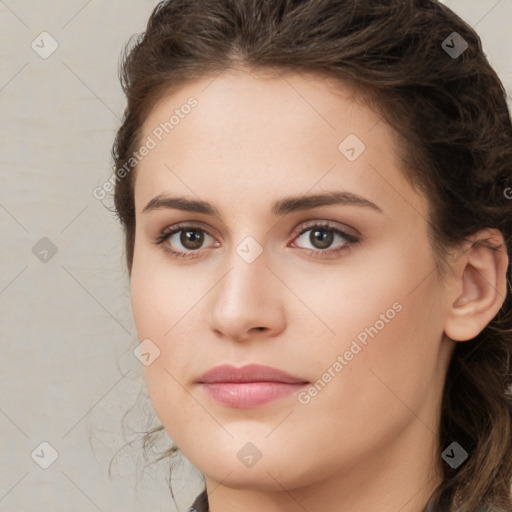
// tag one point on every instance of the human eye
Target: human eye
(322, 235)
(191, 239)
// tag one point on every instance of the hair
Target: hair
(451, 116)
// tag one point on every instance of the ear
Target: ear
(479, 287)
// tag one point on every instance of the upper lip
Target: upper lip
(248, 373)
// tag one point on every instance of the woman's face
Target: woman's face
(356, 313)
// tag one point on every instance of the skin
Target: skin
(368, 439)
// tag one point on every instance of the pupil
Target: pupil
(191, 239)
(324, 241)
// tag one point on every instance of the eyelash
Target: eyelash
(351, 240)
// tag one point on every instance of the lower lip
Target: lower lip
(249, 394)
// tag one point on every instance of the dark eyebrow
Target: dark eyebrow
(280, 207)
(293, 204)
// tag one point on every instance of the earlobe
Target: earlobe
(480, 286)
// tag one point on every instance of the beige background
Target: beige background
(67, 371)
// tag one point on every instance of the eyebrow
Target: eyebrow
(279, 208)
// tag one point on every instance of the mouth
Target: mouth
(248, 386)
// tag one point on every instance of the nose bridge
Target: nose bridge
(245, 298)
(247, 279)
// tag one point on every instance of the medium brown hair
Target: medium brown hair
(456, 143)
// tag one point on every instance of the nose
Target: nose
(248, 301)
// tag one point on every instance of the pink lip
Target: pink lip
(249, 385)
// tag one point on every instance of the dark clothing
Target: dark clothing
(200, 504)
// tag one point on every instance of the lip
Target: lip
(248, 386)
(248, 373)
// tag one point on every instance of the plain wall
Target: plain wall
(67, 372)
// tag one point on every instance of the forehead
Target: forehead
(254, 132)
(264, 98)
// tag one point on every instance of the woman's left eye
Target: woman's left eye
(192, 238)
(321, 236)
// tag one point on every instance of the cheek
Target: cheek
(386, 323)
(162, 302)
(160, 293)
(369, 298)
(389, 337)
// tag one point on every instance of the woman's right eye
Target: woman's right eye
(190, 237)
